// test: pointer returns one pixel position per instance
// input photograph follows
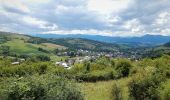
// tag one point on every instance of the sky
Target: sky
(93, 17)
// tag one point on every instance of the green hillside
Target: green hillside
(157, 51)
(38, 77)
(18, 44)
(79, 43)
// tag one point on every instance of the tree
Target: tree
(56, 51)
(43, 50)
(87, 66)
(43, 58)
(123, 68)
(4, 50)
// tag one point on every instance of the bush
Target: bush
(20, 70)
(24, 69)
(145, 88)
(42, 69)
(123, 68)
(164, 91)
(96, 75)
(27, 91)
(46, 87)
(43, 50)
(43, 58)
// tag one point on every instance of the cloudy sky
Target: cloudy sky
(99, 17)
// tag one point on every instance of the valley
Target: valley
(34, 67)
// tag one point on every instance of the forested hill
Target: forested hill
(146, 40)
(24, 43)
(158, 51)
(79, 43)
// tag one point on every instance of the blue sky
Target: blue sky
(97, 17)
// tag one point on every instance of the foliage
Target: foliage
(27, 68)
(123, 67)
(164, 91)
(146, 83)
(4, 51)
(46, 87)
(43, 50)
(43, 58)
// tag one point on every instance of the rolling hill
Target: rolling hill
(146, 40)
(157, 51)
(24, 44)
(19, 44)
(86, 44)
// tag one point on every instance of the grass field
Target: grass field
(20, 47)
(52, 46)
(102, 90)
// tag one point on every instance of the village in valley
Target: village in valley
(81, 56)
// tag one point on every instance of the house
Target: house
(15, 63)
(71, 62)
(63, 64)
(57, 63)
(22, 60)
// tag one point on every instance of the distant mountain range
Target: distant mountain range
(146, 40)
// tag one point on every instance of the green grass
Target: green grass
(20, 47)
(102, 90)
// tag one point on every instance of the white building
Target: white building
(63, 64)
(15, 63)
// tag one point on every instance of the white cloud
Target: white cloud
(61, 9)
(161, 24)
(134, 25)
(36, 1)
(166, 31)
(89, 32)
(108, 6)
(39, 23)
(110, 21)
(163, 18)
(15, 4)
(99, 17)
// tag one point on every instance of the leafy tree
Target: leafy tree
(87, 66)
(43, 58)
(5, 51)
(123, 67)
(56, 51)
(43, 50)
(42, 69)
(48, 87)
(145, 87)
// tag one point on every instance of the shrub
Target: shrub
(145, 88)
(96, 75)
(44, 87)
(164, 91)
(43, 50)
(27, 91)
(42, 69)
(43, 58)
(123, 68)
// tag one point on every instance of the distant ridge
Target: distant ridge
(146, 40)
